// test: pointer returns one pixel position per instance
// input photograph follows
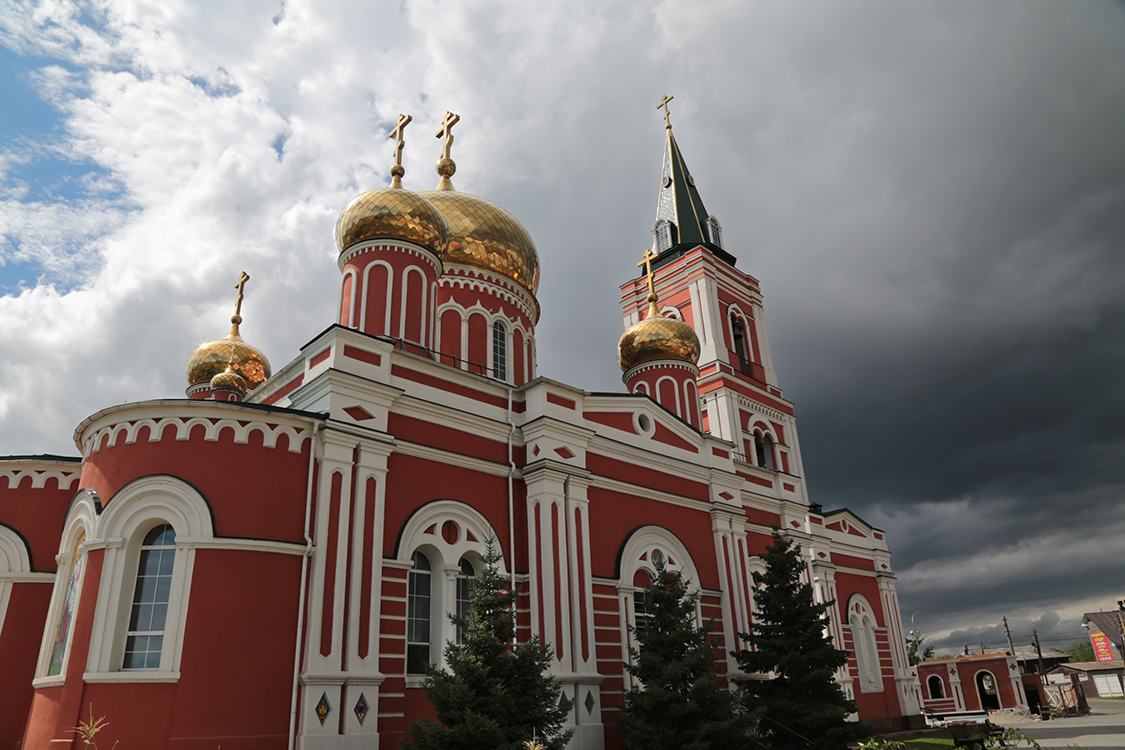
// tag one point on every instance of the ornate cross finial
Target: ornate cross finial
(445, 165)
(446, 132)
(240, 286)
(664, 104)
(397, 171)
(647, 263)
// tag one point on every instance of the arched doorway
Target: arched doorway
(986, 689)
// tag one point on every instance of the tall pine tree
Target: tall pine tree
(789, 638)
(678, 705)
(495, 695)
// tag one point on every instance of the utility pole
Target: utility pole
(1039, 650)
(1011, 648)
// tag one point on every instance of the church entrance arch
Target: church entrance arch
(986, 689)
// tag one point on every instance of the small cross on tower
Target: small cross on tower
(664, 104)
(446, 132)
(400, 127)
(647, 263)
(240, 286)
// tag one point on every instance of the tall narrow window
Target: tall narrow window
(641, 614)
(463, 579)
(937, 688)
(144, 641)
(763, 448)
(418, 615)
(499, 351)
(714, 231)
(69, 603)
(738, 333)
(662, 235)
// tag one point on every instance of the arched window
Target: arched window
(418, 615)
(662, 235)
(763, 451)
(714, 231)
(445, 542)
(861, 619)
(499, 351)
(144, 639)
(467, 572)
(738, 335)
(936, 687)
(77, 562)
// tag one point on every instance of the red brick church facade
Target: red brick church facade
(268, 562)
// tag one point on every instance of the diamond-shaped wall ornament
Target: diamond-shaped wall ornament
(589, 702)
(361, 709)
(323, 708)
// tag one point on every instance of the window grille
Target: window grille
(144, 641)
(418, 615)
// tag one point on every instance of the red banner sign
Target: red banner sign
(1102, 648)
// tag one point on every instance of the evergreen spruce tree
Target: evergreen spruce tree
(495, 695)
(678, 704)
(789, 638)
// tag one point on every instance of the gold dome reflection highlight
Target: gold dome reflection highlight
(392, 213)
(484, 235)
(656, 338)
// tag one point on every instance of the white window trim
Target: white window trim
(641, 542)
(865, 647)
(133, 511)
(444, 565)
(82, 518)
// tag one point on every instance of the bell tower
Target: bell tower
(695, 277)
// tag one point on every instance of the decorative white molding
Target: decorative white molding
(184, 425)
(383, 246)
(39, 476)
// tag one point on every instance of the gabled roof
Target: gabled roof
(1107, 622)
(1088, 666)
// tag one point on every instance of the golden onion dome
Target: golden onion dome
(232, 353)
(655, 338)
(395, 214)
(484, 235)
(229, 380)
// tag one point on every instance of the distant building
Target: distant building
(270, 562)
(970, 684)
(1099, 679)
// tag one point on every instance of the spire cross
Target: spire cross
(399, 130)
(664, 104)
(242, 279)
(446, 132)
(647, 263)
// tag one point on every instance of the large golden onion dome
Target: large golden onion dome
(484, 235)
(655, 338)
(395, 214)
(232, 352)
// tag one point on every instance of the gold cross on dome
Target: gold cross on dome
(664, 104)
(647, 263)
(242, 279)
(397, 134)
(446, 132)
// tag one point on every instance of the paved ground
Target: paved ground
(1104, 727)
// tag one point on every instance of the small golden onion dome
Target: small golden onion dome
(392, 214)
(214, 357)
(229, 380)
(654, 338)
(484, 235)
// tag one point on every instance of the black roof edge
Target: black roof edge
(827, 513)
(682, 249)
(43, 457)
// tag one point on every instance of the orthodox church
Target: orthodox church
(269, 562)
